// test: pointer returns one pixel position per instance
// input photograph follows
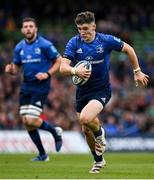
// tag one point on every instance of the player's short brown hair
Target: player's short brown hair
(27, 19)
(86, 17)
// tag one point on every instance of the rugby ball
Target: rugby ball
(76, 79)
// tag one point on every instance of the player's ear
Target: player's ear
(94, 26)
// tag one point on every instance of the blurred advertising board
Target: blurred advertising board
(73, 142)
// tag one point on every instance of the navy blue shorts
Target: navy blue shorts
(31, 98)
(82, 99)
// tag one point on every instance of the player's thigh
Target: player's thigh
(95, 104)
(91, 111)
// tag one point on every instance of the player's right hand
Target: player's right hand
(41, 76)
(82, 72)
(10, 68)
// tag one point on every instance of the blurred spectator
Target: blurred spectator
(129, 126)
(111, 126)
(3, 22)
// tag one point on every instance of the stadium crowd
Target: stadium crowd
(129, 112)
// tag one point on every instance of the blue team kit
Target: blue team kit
(97, 53)
(34, 57)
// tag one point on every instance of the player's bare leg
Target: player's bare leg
(89, 120)
(89, 137)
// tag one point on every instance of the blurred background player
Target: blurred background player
(94, 95)
(39, 60)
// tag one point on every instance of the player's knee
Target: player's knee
(24, 119)
(27, 121)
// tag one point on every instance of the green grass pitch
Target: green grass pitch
(76, 166)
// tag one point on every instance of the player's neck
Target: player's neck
(32, 39)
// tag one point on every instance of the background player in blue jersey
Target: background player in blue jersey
(39, 60)
(92, 96)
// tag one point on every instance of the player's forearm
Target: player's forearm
(132, 56)
(55, 68)
(65, 68)
(133, 59)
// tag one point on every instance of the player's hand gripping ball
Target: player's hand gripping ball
(76, 79)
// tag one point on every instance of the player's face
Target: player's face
(87, 31)
(29, 30)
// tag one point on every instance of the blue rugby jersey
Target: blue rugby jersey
(97, 53)
(35, 57)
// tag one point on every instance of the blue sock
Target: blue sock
(98, 133)
(46, 126)
(37, 141)
(96, 157)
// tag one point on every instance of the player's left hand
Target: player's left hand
(141, 79)
(41, 76)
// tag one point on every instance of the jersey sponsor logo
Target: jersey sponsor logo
(79, 51)
(38, 103)
(97, 61)
(37, 51)
(99, 49)
(30, 60)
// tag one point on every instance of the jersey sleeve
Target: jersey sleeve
(70, 49)
(51, 52)
(16, 56)
(114, 43)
